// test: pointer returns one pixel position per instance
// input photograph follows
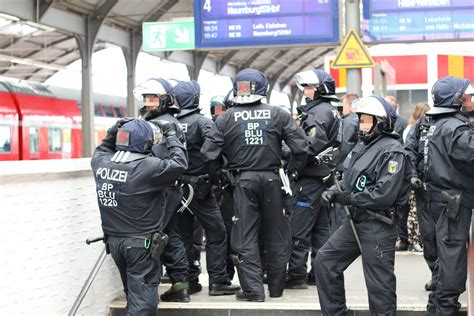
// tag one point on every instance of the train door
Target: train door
(9, 125)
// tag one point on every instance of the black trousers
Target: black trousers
(209, 215)
(450, 270)
(378, 259)
(227, 211)
(258, 201)
(174, 255)
(310, 227)
(427, 227)
(139, 272)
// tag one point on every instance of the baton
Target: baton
(349, 217)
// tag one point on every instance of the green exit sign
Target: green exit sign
(163, 36)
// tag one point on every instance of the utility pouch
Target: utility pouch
(158, 243)
(229, 178)
(202, 187)
(454, 201)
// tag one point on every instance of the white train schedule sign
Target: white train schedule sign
(237, 23)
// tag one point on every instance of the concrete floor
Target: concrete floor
(410, 268)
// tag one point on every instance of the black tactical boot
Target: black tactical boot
(194, 287)
(225, 288)
(296, 284)
(241, 296)
(177, 293)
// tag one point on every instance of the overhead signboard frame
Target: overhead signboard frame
(353, 53)
(234, 23)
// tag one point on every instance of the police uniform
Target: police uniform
(174, 255)
(250, 136)
(131, 197)
(204, 205)
(376, 178)
(448, 161)
(348, 131)
(309, 218)
(414, 145)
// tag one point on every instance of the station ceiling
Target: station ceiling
(38, 38)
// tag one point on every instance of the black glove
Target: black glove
(328, 196)
(109, 139)
(343, 198)
(416, 183)
(293, 175)
(167, 128)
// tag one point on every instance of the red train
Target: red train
(39, 122)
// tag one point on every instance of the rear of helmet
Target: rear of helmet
(249, 86)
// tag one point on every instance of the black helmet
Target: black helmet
(447, 94)
(187, 94)
(249, 86)
(134, 139)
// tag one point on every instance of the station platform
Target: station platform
(410, 268)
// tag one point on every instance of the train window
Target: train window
(34, 140)
(5, 139)
(55, 139)
(67, 145)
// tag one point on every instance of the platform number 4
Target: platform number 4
(207, 5)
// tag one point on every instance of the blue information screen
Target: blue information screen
(237, 23)
(417, 20)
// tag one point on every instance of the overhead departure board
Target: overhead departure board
(237, 23)
(417, 20)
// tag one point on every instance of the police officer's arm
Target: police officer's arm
(295, 139)
(389, 182)
(166, 171)
(461, 147)
(411, 146)
(317, 132)
(214, 143)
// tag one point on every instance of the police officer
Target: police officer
(376, 180)
(414, 146)
(309, 218)
(250, 135)
(203, 205)
(160, 104)
(130, 186)
(224, 190)
(448, 162)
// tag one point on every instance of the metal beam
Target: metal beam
(131, 56)
(41, 7)
(86, 46)
(64, 20)
(306, 64)
(198, 60)
(272, 60)
(221, 63)
(251, 59)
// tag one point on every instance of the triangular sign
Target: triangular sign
(353, 53)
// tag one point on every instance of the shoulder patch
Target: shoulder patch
(312, 132)
(392, 167)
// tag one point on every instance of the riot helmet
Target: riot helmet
(376, 116)
(157, 97)
(316, 84)
(135, 139)
(187, 95)
(249, 86)
(449, 95)
(220, 103)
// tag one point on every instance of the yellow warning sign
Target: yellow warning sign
(353, 53)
